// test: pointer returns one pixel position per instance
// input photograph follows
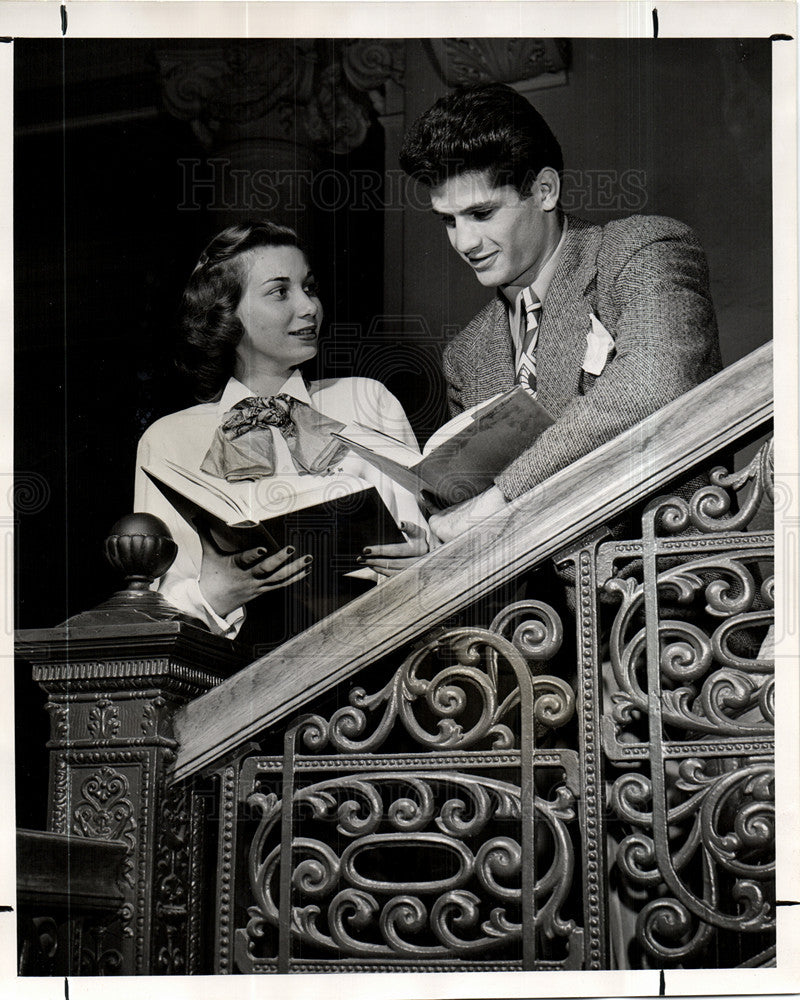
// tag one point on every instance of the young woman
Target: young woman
(250, 319)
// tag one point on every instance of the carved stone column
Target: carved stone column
(270, 112)
(114, 677)
(376, 67)
(525, 63)
(266, 110)
(240, 100)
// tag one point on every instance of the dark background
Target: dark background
(103, 245)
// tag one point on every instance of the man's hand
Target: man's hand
(457, 519)
(390, 559)
(227, 581)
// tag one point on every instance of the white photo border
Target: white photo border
(583, 18)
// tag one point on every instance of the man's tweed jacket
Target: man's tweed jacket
(646, 280)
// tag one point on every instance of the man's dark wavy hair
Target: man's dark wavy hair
(483, 127)
(209, 328)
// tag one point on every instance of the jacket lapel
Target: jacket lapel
(565, 317)
(492, 353)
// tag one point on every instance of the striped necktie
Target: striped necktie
(526, 365)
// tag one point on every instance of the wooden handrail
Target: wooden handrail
(581, 497)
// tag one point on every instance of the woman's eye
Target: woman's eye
(278, 293)
(312, 289)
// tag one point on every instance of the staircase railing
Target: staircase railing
(730, 407)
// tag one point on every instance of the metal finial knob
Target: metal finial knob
(141, 547)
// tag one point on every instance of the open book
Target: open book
(331, 517)
(465, 455)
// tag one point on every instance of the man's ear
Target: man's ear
(548, 187)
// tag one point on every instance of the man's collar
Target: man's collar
(235, 391)
(541, 282)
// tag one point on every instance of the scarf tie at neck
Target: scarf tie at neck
(243, 447)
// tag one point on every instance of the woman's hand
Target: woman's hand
(227, 581)
(387, 560)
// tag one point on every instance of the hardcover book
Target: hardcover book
(330, 517)
(465, 455)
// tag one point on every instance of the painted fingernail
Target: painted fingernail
(360, 559)
(403, 525)
(289, 550)
(308, 559)
(367, 552)
(261, 552)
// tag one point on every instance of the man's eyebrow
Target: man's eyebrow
(478, 206)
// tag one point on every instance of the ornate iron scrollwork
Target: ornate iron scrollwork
(692, 687)
(707, 687)
(427, 854)
(440, 813)
(172, 873)
(106, 812)
(426, 823)
(445, 696)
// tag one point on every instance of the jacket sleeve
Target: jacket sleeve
(666, 342)
(450, 370)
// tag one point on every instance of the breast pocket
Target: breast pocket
(599, 350)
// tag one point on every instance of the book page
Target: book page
(454, 426)
(380, 443)
(247, 502)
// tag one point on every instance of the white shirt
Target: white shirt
(184, 437)
(540, 284)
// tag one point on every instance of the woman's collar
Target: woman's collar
(235, 391)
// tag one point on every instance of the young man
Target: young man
(604, 323)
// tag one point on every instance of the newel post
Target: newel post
(114, 678)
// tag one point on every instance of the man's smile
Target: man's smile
(480, 263)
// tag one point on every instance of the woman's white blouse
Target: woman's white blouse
(184, 437)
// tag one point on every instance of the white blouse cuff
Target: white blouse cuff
(186, 595)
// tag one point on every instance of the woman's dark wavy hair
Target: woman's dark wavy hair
(483, 127)
(209, 328)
